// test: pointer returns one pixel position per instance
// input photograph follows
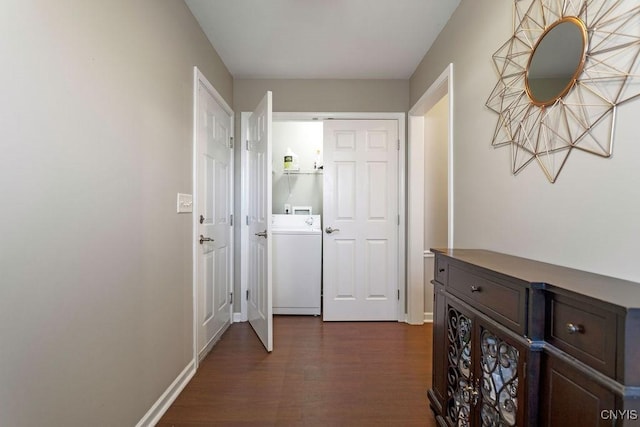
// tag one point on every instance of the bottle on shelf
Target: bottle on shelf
(317, 164)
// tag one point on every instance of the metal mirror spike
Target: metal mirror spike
(582, 114)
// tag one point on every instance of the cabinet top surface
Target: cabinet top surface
(620, 292)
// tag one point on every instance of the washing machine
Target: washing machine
(297, 264)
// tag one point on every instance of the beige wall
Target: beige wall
(95, 264)
(324, 95)
(587, 220)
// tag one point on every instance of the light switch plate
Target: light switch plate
(185, 203)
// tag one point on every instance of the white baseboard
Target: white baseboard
(237, 317)
(158, 409)
(428, 317)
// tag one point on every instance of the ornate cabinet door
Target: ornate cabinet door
(485, 371)
(461, 391)
(502, 363)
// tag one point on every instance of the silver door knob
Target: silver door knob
(330, 230)
(262, 234)
(205, 239)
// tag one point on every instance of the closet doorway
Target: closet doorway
(310, 176)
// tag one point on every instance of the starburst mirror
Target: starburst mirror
(563, 73)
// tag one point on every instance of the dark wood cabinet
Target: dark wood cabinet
(520, 342)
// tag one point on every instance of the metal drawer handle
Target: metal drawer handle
(574, 329)
(475, 288)
(205, 239)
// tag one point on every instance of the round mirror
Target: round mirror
(556, 61)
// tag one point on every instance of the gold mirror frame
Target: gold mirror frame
(577, 71)
(583, 117)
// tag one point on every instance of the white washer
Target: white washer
(297, 264)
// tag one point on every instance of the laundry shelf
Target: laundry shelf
(302, 171)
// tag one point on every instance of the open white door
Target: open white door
(212, 214)
(259, 292)
(360, 208)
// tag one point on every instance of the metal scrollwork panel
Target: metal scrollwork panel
(499, 362)
(460, 392)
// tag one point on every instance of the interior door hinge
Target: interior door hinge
(231, 142)
(398, 294)
(398, 219)
(231, 220)
(247, 145)
(247, 219)
(231, 298)
(398, 145)
(247, 294)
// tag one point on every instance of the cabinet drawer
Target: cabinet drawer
(585, 331)
(440, 269)
(503, 301)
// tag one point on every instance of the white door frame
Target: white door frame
(198, 78)
(442, 86)
(310, 116)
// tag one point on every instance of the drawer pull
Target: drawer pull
(475, 288)
(574, 329)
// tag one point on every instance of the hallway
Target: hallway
(319, 374)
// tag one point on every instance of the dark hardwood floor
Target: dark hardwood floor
(319, 374)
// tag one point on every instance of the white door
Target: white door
(259, 297)
(213, 209)
(360, 207)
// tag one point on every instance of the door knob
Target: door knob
(262, 234)
(205, 239)
(330, 230)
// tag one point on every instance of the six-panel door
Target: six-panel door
(360, 207)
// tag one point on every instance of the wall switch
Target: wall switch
(287, 208)
(185, 203)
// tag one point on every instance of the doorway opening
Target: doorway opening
(430, 204)
(297, 217)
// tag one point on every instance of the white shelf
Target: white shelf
(302, 171)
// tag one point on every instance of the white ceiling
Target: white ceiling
(322, 39)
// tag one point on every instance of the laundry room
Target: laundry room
(297, 166)
(297, 217)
